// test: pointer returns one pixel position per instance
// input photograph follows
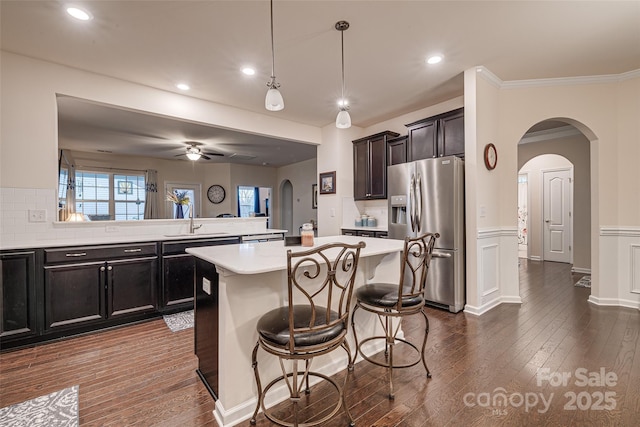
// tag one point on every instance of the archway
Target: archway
(566, 139)
(286, 206)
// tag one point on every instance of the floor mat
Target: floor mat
(584, 282)
(179, 321)
(57, 409)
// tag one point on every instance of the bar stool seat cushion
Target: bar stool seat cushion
(385, 295)
(274, 326)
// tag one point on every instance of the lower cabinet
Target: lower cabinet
(364, 233)
(111, 283)
(178, 272)
(18, 275)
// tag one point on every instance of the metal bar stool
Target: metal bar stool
(394, 301)
(315, 322)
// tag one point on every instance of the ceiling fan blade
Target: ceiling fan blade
(214, 154)
(205, 157)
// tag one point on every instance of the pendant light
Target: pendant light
(343, 120)
(273, 100)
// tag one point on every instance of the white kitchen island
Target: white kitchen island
(247, 280)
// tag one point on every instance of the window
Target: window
(104, 196)
(247, 197)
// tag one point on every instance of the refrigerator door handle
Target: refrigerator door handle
(412, 201)
(440, 255)
(419, 203)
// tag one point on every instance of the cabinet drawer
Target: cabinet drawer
(93, 253)
(179, 247)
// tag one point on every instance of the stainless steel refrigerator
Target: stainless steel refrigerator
(428, 196)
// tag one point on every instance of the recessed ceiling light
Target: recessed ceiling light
(78, 13)
(183, 86)
(434, 59)
(248, 71)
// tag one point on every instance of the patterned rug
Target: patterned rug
(179, 321)
(584, 282)
(58, 409)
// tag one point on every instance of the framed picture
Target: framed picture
(328, 182)
(125, 187)
(314, 196)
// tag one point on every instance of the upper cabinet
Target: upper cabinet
(437, 136)
(397, 150)
(370, 166)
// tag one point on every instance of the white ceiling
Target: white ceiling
(205, 43)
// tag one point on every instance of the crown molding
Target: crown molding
(561, 81)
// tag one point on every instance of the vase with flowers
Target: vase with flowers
(179, 198)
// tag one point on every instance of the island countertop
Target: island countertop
(256, 258)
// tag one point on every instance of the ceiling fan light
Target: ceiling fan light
(274, 100)
(193, 156)
(343, 120)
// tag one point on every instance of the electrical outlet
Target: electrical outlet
(111, 229)
(206, 285)
(37, 215)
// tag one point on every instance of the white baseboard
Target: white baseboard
(614, 302)
(477, 311)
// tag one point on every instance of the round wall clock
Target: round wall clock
(490, 156)
(216, 194)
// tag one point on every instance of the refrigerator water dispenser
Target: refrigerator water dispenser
(398, 209)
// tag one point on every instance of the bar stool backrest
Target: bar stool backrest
(321, 280)
(416, 259)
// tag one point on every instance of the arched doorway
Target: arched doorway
(286, 206)
(552, 145)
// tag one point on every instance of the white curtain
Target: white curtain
(151, 208)
(70, 202)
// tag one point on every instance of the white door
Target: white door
(557, 201)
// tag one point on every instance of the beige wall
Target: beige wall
(302, 176)
(575, 150)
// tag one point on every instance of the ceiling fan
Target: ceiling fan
(194, 153)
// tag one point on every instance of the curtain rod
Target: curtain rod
(111, 169)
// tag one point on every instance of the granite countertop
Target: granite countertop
(256, 258)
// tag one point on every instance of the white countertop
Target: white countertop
(255, 258)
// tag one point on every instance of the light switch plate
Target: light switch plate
(206, 285)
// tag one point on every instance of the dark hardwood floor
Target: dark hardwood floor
(144, 374)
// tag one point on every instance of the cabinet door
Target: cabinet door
(179, 276)
(17, 294)
(360, 170)
(73, 295)
(378, 168)
(451, 135)
(397, 151)
(422, 140)
(131, 286)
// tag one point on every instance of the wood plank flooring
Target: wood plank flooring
(144, 374)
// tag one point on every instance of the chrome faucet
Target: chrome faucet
(192, 226)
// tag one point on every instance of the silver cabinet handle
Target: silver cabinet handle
(102, 268)
(419, 203)
(128, 251)
(77, 254)
(109, 268)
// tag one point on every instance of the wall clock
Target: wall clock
(216, 194)
(490, 156)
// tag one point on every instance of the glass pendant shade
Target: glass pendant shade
(193, 156)
(343, 121)
(274, 101)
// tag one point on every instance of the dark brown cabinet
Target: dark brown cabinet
(18, 294)
(438, 136)
(370, 166)
(100, 284)
(397, 150)
(178, 272)
(365, 233)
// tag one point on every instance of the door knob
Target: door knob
(546, 220)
